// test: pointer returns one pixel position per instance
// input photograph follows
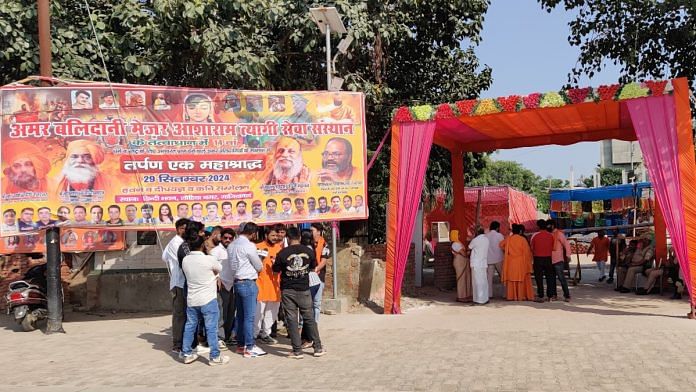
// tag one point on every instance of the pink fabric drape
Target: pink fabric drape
(414, 154)
(655, 125)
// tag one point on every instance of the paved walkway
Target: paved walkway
(602, 341)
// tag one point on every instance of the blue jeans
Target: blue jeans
(210, 314)
(317, 293)
(561, 276)
(245, 293)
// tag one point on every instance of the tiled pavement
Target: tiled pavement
(602, 341)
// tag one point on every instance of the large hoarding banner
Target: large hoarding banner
(132, 156)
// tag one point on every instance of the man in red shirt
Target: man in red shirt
(600, 244)
(542, 246)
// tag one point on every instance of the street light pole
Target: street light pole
(54, 293)
(328, 57)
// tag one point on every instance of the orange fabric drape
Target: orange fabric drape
(391, 218)
(687, 169)
(660, 234)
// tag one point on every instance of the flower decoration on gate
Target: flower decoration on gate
(608, 92)
(445, 111)
(423, 112)
(552, 100)
(633, 90)
(486, 106)
(510, 103)
(466, 107)
(657, 87)
(516, 103)
(577, 95)
(403, 114)
(531, 101)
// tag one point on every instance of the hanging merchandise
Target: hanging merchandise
(597, 206)
(586, 206)
(629, 202)
(617, 205)
(556, 205)
(566, 207)
(576, 207)
(607, 205)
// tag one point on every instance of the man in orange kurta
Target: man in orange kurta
(268, 299)
(517, 266)
(27, 167)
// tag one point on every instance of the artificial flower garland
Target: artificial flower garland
(516, 103)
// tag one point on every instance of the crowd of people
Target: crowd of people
(546, 255)
(231, 288)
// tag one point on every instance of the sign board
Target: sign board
(140, 157)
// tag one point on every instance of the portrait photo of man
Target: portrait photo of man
(26, 219)
(312, 206)
(336, 205)
(212, 210)
(81, 99)
(63, 213)
(44, 217)
(336, 161)
(81, 172)
(196, 212)
(108, 101)
(114, 215)
(256, 209)
(242, 214)
(80, 215)
(323, 205)
(271, 206)
(27, 167)
(288, 165)
(359, 204)
(131, 215)
(96, 214)
(286, 207)
(9, 220)
(227, 213)
(182, 210)
(147, 210)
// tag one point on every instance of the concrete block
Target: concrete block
(335, 306)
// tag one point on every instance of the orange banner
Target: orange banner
(132, 156)
(71, 240)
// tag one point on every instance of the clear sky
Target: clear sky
(528, 50)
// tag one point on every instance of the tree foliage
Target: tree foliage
(515, 175)
(649, 39)
(404, 52)
(607, 176)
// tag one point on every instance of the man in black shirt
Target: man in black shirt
(294, 263)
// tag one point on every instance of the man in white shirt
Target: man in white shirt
(176, 284)
(495, 254)
(479, 267)
(243, 267)
(225, 291)
(201, 273)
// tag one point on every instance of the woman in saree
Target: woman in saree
(462, 268)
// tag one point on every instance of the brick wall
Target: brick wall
(351, 280)
(445, 275)
(13, 267)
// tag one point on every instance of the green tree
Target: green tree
(515, 175)
(403, 53)
(608, 176)
(647, 38)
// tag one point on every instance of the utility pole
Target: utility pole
(54, 291)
